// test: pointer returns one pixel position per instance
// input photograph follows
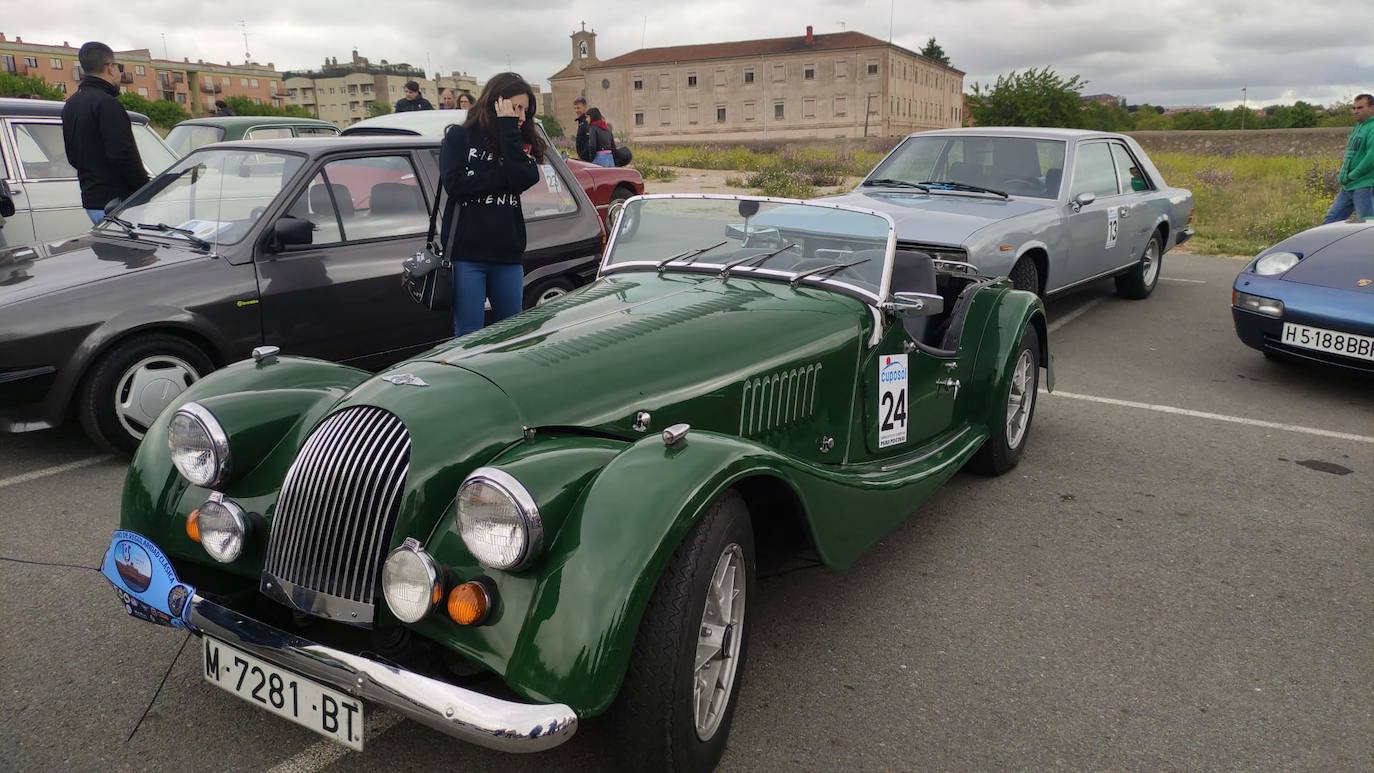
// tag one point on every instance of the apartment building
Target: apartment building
(844, 84)
(343, 94)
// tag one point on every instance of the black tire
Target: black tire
(1140, 281)
(999, 453)
(106, 384)
(1025, 276)
(653, 719)
(546, 290)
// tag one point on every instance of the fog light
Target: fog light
(193, 525)
(469, 603)
(1269, 307)
(222, 527)
(410, 582)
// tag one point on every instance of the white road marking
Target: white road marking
(1189, 281)
(324, 753)
(1217, 417)
(1075, 314)
(58, 470)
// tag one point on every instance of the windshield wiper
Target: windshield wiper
(725, 270)
(965, 187)
(888, 182)
(189, 234)
(830, 269)
(122, 223)
(688, 256)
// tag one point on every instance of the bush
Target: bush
(161, 113)
(24, 86)
(654, 171)
(551, 126)
(781, 183)
(246, 106)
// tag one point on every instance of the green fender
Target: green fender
(1015, 311)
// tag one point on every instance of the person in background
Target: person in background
(412, 99)
(584, 128)
(600, 141)
(98, 135)
(465, 100)
(485, 163)
(222, 108)
(447, 101)
(1356, 177)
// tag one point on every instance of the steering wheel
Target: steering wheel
(1029, 186)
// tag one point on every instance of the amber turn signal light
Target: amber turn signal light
(193, 525)
(469, 603)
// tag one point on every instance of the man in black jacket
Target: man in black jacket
(583, 129)
(98, 135)
(412, 100)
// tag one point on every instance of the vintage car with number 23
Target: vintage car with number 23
(456, 541)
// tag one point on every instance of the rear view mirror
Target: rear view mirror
(915, 304)
(1082, 200)
(292, 232)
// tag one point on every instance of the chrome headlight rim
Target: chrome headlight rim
(524, 503)
(219, 442)
(434, 578)
(1281, 257)
(239, 519)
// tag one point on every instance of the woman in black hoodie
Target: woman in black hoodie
(486, 163)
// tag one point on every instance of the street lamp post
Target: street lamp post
(1243, 109)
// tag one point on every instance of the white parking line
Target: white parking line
(322, 754)
(1217, 417)
(1075, 314)
(58, 470)
(1189, 281)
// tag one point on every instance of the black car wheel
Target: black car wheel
(1011, 424)
(547, 290)
(130, 385)
(679, 695)
(1025, 276)
(1140, 281)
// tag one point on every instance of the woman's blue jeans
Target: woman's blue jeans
(474, 283)
(604, 158)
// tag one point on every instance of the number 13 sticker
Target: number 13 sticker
(891, 400)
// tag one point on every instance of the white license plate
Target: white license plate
(1348, 344)
(303, 701)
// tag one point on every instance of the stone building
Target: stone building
(844, 84)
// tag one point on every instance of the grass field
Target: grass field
(1243, 203)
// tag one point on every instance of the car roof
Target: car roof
(321, 145)
(1047, 133)
(426, 123)
(45, 108)
(254, 120)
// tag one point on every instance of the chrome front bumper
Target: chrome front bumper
(464, 714)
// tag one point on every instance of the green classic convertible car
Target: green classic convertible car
(559, 517)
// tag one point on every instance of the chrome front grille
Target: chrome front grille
(335, 514)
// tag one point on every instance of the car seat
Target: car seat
(319, 199)
(395, 199)
(914, 272)
(1052, 180)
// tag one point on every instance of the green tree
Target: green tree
(1032, 98)
(27, 86)
(933, 51)
(246, 106)
(161, 113)
(378, 107)
(1107, 118)
(552, 127)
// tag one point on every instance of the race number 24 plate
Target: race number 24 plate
(303, 701)
(1348, 344)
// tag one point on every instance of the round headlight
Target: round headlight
(223, 528)
(1275, 263)
(498, 520)
(199, 445)
(410, 582)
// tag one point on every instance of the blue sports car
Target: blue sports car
(1311, 296)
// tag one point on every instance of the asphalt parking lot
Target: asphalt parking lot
(1178, 576)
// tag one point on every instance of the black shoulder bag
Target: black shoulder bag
(428, 274)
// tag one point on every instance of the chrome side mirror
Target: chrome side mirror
(1082, 200)
(915, 304)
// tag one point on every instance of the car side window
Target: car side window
(314, 204)
(377, 197)
(550, 196)
(1132, 176)
(316, 131)
(269, 133)
(1094, 171)
(42, 156)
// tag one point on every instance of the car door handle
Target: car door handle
(949, 385)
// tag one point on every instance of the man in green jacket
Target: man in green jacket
(1357, 170)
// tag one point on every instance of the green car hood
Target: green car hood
(679, 346)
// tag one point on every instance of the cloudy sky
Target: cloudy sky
(1170, 52)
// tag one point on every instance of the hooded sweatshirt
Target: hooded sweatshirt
(1357, 170)
(484, 193)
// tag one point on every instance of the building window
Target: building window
(749, 111)
(691, 80)
(665, 116)
(841, 68)
(841, 107)
(142, 92)
(693, 114)
(720, 113)
(582, 50)
(56, 64)
(721, 76)
(62, 87)
(639, 119)
(809, 107)
(779, 73)
(77, 72)
(872, 68)
(224, 80)
(138, 70)
(638, 84)
(778, 112)
(253, 83)
(748, 75)
(31, 61)
(181, 97)
(243, 82)
(665, 81)
(808, 72)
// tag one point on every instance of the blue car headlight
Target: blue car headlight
(1275, 263)
(1269, 307)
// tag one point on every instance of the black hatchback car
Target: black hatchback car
(214, 257)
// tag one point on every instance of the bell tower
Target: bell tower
(584, 45)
